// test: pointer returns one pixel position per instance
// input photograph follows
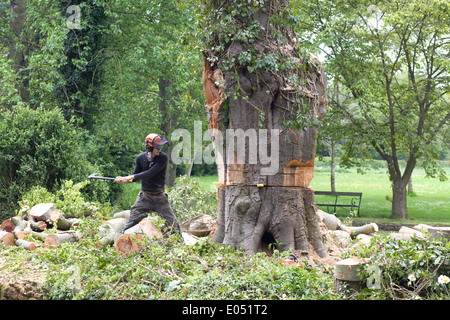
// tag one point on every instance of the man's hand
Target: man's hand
(124, 179)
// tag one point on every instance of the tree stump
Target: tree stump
(347, 275)
(264, 111)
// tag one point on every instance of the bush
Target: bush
(189, 198)
(38, 148)
(409, 269)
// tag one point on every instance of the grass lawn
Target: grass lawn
(430, 203)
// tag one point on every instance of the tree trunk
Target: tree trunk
(266, 200)
(410, 186)
(18, 56)
(399, 207)
(168, 122)
(333, 165)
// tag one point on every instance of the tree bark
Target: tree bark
(27, 245)
(399, 200)
(256, 206)
(55, 239)
(18, 57)
(168, 122)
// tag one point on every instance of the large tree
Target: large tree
(391, 59)
(256, 77)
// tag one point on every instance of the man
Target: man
(150, 168)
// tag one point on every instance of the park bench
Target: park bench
(355, 200)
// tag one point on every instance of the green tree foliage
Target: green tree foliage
(39, 148)
(391, 60)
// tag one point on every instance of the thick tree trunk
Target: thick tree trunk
(266, 200)
(399, 200)
(18, 56)
(168, 122)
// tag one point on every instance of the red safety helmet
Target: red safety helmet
(154, 140)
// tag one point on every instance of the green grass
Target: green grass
(429, 204)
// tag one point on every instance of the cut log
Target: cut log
(331, 221)
(27, 245)
(62, 223)
(110, 231)
(128, 244)
(37, 225)
(342, 237)
(114, 225)
(439, 233)
(7, 225)
(19, 222)
(6, 238)
(55, 239)
(122, 214)
(147, 228)
(199, 226)
(37, 235)
(42, 211)
(334, 223)
(189, 239)
(24, 211)
(365, 229)
(411, 231)
(422, 227)
(21, 227)
(400, 236)
(74, 222)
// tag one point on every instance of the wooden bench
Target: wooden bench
(355, 201)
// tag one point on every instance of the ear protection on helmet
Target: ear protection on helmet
(154, 141)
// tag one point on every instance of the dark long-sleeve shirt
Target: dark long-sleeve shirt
(152, 173)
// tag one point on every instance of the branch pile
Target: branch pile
(36, 227)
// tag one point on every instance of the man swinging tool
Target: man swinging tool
(151, 170)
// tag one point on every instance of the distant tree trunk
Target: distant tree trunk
(283, 210)
(168, 122)
(399, 205)
(18, 56)
(333, 165)
(410, 186)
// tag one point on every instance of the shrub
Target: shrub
(189, 198)
(409, 269)
(38, 148)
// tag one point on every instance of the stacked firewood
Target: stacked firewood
(44, 225)
(36, 227)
